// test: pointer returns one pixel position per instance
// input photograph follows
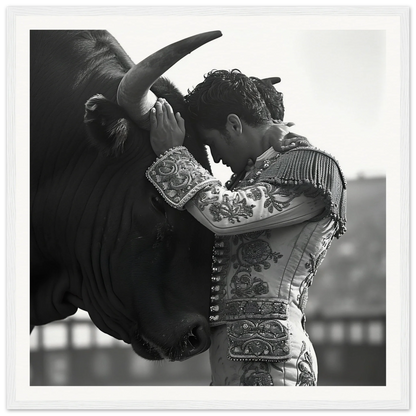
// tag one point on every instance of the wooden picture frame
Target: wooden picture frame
(395, 24)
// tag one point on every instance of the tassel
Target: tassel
(318, 173)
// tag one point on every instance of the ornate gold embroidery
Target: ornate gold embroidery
(255, 254)
(256, 309)
(306, 374)
(245, 285)
(256, 374)
(252, 253)
(312, 266)
(266, 340)
(231, 208)
(178, 176)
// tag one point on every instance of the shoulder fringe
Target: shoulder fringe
(317, 173)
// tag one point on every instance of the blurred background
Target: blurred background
(334, 80)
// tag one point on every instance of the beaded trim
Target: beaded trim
(236, 309)
(177, 176)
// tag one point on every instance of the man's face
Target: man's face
(226, 147)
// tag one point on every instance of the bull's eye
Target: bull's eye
(158, 204)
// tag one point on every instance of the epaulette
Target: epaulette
(316, 173)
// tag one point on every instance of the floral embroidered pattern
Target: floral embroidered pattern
(255, 254)
(303, 298)
(252, 253)
(255, 194)
(271, 193)
(266, 340)
(178, 176)
(256, 374)
(231, 208)
(306, 374)
(314, 262)
(203, 199)
(306, 283)
(311, 266)
(258, 326)
(272, 203)
(244, 285)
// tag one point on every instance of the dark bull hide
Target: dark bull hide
(102, 239)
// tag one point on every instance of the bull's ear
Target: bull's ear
(107, 125)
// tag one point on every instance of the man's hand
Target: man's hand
(282, 140)
(167, 129)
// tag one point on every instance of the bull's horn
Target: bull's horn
(272, 80)
(134, 93)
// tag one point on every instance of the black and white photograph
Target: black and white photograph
(208, 197)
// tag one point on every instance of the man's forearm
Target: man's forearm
(183, 183)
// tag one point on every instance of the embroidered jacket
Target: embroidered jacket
(272, 233)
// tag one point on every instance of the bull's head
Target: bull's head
(163, 265)
(102, 238)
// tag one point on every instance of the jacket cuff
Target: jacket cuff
(178, 176)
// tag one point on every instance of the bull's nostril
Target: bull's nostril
(198, 340)
(193, 341)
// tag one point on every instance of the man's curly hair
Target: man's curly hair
(230, 92)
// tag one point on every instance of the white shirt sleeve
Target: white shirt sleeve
(257, 207)
(185, 184)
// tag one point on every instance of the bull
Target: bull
(101, 238)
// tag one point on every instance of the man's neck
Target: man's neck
(265, 141)
(257, 140)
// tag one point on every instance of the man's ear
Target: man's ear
(234, 124)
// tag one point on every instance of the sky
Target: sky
(334, 77)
